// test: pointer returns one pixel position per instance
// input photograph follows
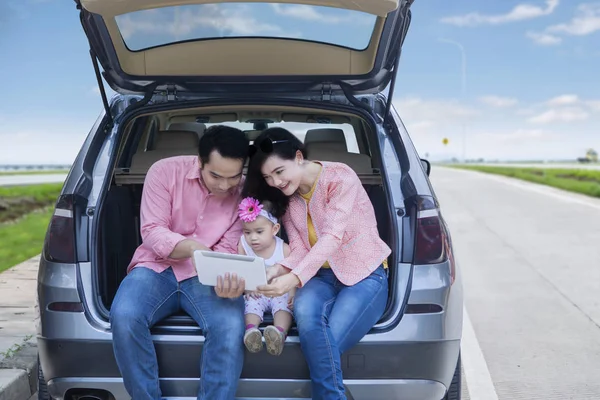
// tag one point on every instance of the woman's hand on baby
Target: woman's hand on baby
(274, 271)
(280, 285)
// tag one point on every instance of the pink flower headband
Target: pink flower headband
(250, 209)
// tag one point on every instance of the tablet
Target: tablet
(210, 264)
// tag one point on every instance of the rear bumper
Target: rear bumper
(390, 389)
(386, 370)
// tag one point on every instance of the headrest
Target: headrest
(176, 140)
(335, 147)
(252, 135)
(197, 127)
(325, 135)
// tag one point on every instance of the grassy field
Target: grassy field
(24, 238)
(44, 172)
(574, 180)
(24, 215)
(16, 201)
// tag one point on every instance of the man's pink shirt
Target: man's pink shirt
(177, 205)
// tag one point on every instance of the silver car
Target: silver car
(316, 67)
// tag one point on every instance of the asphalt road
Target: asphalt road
(16, 180)
(530, 258)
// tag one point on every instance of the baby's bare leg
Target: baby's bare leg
(252, 319)
(283, 319)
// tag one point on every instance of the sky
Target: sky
(500, 79)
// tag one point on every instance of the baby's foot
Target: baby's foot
(253, 340)
(275, 338)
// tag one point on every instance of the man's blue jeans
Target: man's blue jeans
(144, 298)
(331, 318)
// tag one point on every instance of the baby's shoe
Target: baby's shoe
(253, 339)
(275, 338)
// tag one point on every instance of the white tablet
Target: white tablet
(210, 265)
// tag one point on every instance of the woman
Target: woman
(337, 258)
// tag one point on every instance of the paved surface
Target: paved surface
(530, 259)
(18, 355)
(16, 180)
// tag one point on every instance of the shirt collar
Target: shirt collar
(194, 174)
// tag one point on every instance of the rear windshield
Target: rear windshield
(161, 26)
(299, 130)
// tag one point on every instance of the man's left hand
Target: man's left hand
(230, 287)
(280, 285)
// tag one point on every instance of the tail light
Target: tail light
(59, 245)
(433, 244)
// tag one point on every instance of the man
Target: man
(188, 203)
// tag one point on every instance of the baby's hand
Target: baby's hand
(291, 302)
(252, 294)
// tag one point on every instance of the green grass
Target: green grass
(42, 192)
(44, 172)
(17, 201)
(24, 238)
(574, 180)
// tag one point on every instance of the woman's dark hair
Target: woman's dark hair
(271, 142)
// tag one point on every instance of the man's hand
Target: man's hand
(279, 285)
(230, 287)
(186, 248)
(274, 271)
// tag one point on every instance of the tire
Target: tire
(454, 392)
(42, 387)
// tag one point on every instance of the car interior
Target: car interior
(328, 136)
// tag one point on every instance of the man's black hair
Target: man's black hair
(229, 142)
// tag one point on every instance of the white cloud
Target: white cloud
(235, 21)
(585, 22)
(594, 105)
(517, 136)
(520, 12)
(544, 39)
(42, 141)
(563, 100)
(311, 13)
(427, 116)
(498, 101)
(567, 114)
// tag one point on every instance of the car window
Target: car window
(299, 130)
(161, 26)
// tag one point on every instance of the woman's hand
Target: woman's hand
(280, 285)
(274, 271)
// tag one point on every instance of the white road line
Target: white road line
(477, 375)
(538, 188)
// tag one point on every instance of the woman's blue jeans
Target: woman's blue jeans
(331, 318)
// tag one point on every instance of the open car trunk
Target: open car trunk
(118, 223)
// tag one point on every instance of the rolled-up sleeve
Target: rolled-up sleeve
(155, 214)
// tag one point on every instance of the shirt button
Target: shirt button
(195, 235)
(201, 217)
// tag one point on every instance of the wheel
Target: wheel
(42, 387)
(454, 392)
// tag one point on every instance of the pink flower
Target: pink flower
(249, 209)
